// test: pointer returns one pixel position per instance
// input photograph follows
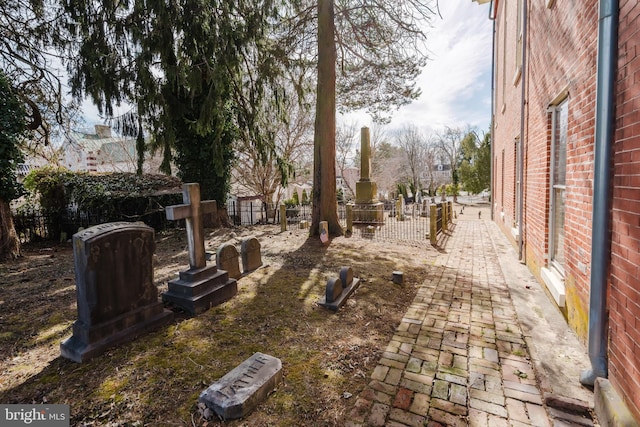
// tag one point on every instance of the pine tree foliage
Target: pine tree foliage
(199, 74)
(12, 128)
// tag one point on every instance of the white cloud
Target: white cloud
(456, 82)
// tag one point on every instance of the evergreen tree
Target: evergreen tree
(198, 75)
(475, 168)
(12, 127)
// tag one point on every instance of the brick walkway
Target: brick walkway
(459, 356)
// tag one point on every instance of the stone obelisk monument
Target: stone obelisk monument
(367, 209)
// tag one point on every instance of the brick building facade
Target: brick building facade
(544, 139)
(624, 286)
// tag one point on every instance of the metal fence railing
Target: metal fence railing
(382, 221)
(37, 225)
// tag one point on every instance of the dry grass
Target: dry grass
(156, 379)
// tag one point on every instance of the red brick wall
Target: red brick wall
(624, 288)
(507, 116)
(561, 58)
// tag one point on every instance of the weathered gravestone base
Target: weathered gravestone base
(338, 289)
(241, 390)
(198, 289)
(117, 300)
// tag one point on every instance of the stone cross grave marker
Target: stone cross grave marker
(201, 286)
(251, 257)
(116, 297)
(239, 391)
(227, 258)
(191, 211)
(338, 289)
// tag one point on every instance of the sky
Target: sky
(455, 83)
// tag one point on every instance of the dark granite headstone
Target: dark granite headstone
(227, 258)
(338, 289)
(117, 299)
(242, 389)
(251, 257)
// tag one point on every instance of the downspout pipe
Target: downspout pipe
(493, 105)
(601, 222)
(520, 160)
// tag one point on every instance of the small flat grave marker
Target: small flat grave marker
(238, 392)
(397, 277)
(338, 289)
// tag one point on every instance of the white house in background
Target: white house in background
(347, 181)
(99, 152)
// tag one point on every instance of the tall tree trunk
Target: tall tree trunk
(325, 205)
(9, 242)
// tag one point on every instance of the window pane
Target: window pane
(557, 254)
(560, 148)
(558, 227)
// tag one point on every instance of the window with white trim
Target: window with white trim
(560, 124)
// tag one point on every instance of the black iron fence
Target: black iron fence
(421, 222)
(382, 221)
(36, 225)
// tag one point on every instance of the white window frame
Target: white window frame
(555, 187)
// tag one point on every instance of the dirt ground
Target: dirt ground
(155, 380)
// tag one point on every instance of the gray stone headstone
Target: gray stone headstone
(228, 259)
(241, 390)
(251, 257)
(338, 289)
(116, 297)
(346, 276)
(334, 289)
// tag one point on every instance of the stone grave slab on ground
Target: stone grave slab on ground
(228, 259)
(201, 286)
(251, 256)
(242, 389)
(338, 289)
(117, 300)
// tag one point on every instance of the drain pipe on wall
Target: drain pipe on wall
(601, 235)
(493, 106)
(520, 160)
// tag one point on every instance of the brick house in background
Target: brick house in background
(566, 175)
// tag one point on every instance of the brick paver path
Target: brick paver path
(458, 357)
